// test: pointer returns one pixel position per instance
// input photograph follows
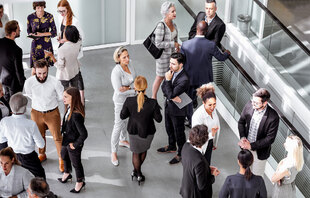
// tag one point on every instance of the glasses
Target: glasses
(61, 11)
(256, 103)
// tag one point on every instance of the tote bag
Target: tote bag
(149, 43)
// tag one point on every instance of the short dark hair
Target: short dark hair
(72, 34)
(179, 56)
(198, 135)
(38, 3)
(11, 27)
(211, 1)
(263, 94)
(39, 187)
(40, 63)
(1, 6)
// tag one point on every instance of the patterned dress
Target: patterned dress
(38, 45)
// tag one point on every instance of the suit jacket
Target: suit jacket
(215, 31)
(199, 52)
(171, 90)
(141, 123)
(197, 179)
(266, 133)
(74, 130)
(6, 104)
(236, 186)
(11, 66)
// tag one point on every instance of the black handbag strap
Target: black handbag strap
(155, 29)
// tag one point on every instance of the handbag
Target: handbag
(149, 43)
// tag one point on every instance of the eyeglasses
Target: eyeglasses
(256, 103)
(61, 11)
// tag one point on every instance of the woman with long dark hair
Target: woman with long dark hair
(74, 134)
(142, 111)
(244, 183)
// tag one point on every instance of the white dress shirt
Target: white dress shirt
(201, 116)
(44, 96)
(4, 20)
(21, 134)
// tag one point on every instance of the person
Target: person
(39, 188)
(176, 83)
(199, 52)
(198, 175)
(41, 26)
(141, 111)
(206, 114)
(216, 27)
(258, 126)
(68, 18)
(14, 179)
(244, 183)
(166, 37)
(122, 78)
(11, 64)
(45, 91)
(22, 135)
(5, 109)
(288, 168)
(3, 20)
(74, 134)
(67, 63)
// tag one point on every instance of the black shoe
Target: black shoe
(140, 178)
(166, 149)
(133, 174)
(65, 181)
(175, 160)
(195, 103)
(78, 191)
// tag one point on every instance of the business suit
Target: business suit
(216, 29)
(197, 179)
(266, 133)
(236, 186)
(199, 52)
(11, 67)
(174, 117)
(73, 131)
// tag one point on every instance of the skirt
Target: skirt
(139, 144)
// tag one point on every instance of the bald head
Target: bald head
(202, 28)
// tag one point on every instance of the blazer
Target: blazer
(197, 179)
(172, 89)
(215, 31)
(266, 133)
(236, 186)
(68, 65)
(199, 52)
(3, 100)
(11, 65)
(74, 130)
(141, 123)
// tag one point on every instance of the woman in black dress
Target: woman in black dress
(141, 111)
(74, 134)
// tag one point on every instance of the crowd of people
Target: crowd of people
(183, 72)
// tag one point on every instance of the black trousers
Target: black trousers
(32, 163)
(208, 152)
(175, 130)
(192, 93)
(73, 156)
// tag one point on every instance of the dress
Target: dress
(164, 39)
(287, 189)
(42, 25)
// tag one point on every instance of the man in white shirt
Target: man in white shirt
(45, 92)
(22, 135)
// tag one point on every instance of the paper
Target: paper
(185, 100)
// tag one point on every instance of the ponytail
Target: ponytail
(140, 87)
(248, 173)
(140, 100)
(245, 158)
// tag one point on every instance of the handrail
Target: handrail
(283, 27)
(187, 8)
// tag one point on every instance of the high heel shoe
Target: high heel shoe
(133, 174)
(140, 178)
(65, 181)
(78, 191)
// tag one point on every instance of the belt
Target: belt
(48, 110)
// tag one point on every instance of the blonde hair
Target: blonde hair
(118, 51)
(206, 91)
(294, 147)
(140, 87)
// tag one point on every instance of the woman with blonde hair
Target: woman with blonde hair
(284, 177)
(206, 114)
(141, 111)
(122, 78)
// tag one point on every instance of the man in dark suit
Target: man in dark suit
(199, 52)
(11, 66)
(176, 82)
(258, 126)
(216, 28)
(198, 175)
